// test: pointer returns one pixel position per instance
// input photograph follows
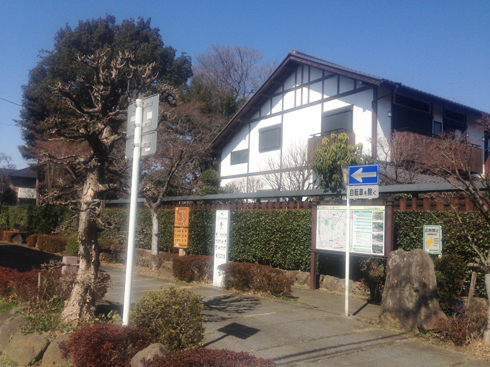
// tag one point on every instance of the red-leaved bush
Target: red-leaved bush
(192, 268)
(257, 278)
(208, 358)
(23, 287)
(465, 325)
(104, 345)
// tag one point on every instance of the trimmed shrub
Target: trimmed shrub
(450, 274)
(104, 345)
(72, 246)
(192, 268)
(466, 325)
(208, 358)
(52, 244)
(257, 278)
(8, 235)
(32, 240)
(171, 317)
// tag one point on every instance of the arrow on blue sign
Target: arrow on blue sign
(364, 175)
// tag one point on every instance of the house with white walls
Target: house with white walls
(306, 99)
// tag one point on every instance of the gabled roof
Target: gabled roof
(291, 62)
(24, 173)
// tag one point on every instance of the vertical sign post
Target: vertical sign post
(221, 240)
(142, 121)
(367, 176)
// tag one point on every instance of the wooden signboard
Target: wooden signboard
(182, 217)
(181, 237)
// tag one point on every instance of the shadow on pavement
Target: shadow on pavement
(106, 307)
(337, 349)
(23, 258)
(234, 329)
(229, 305)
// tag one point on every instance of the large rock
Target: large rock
(410, 293)
(24, 349)
(52, 356)
(153, 350)
(9, 328)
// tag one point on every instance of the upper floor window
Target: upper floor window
(239, 156)
(270, 138)
(436, 128)
(340, 118)
(413, 103)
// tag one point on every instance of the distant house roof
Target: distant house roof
(24, 173)
(288, 65)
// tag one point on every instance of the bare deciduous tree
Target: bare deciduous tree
(290, 172)
(452, 159)
(6, 192)
(237, 69)
(402, 157)
(183, 140)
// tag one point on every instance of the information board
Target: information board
(367, 229)
(181, 237)
(182, 217)
(433, 239)
(221, 240)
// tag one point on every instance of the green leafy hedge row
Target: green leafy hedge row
(278, 238)
(42, 219)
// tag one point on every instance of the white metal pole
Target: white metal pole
(347, 259)
(132, 209)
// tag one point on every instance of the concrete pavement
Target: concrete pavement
(309, 330)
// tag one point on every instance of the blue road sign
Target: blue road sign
(364, 175)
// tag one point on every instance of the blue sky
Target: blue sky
(441, 47)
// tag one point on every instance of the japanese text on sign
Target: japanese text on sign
(182, 217)
(181, 237)
(367, 232)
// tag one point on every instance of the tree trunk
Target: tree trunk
(81, 305)
(486, 334)
(154, 237)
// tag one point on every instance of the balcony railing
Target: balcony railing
(470, 154)
(315, 142)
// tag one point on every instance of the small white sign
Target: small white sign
(363, 192)
(221, 241)
(433, 240)
(26, 193)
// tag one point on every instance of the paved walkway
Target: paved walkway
(310, 331)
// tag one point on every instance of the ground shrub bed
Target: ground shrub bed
(208, 358)
(171, 317)
(256, 278)
(193, 268)
(105, 345)
(466, 324)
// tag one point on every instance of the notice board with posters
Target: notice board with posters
(367, 235)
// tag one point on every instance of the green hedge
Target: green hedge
(42, 219)
(279, 238)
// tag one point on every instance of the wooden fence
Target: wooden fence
(427, 204)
